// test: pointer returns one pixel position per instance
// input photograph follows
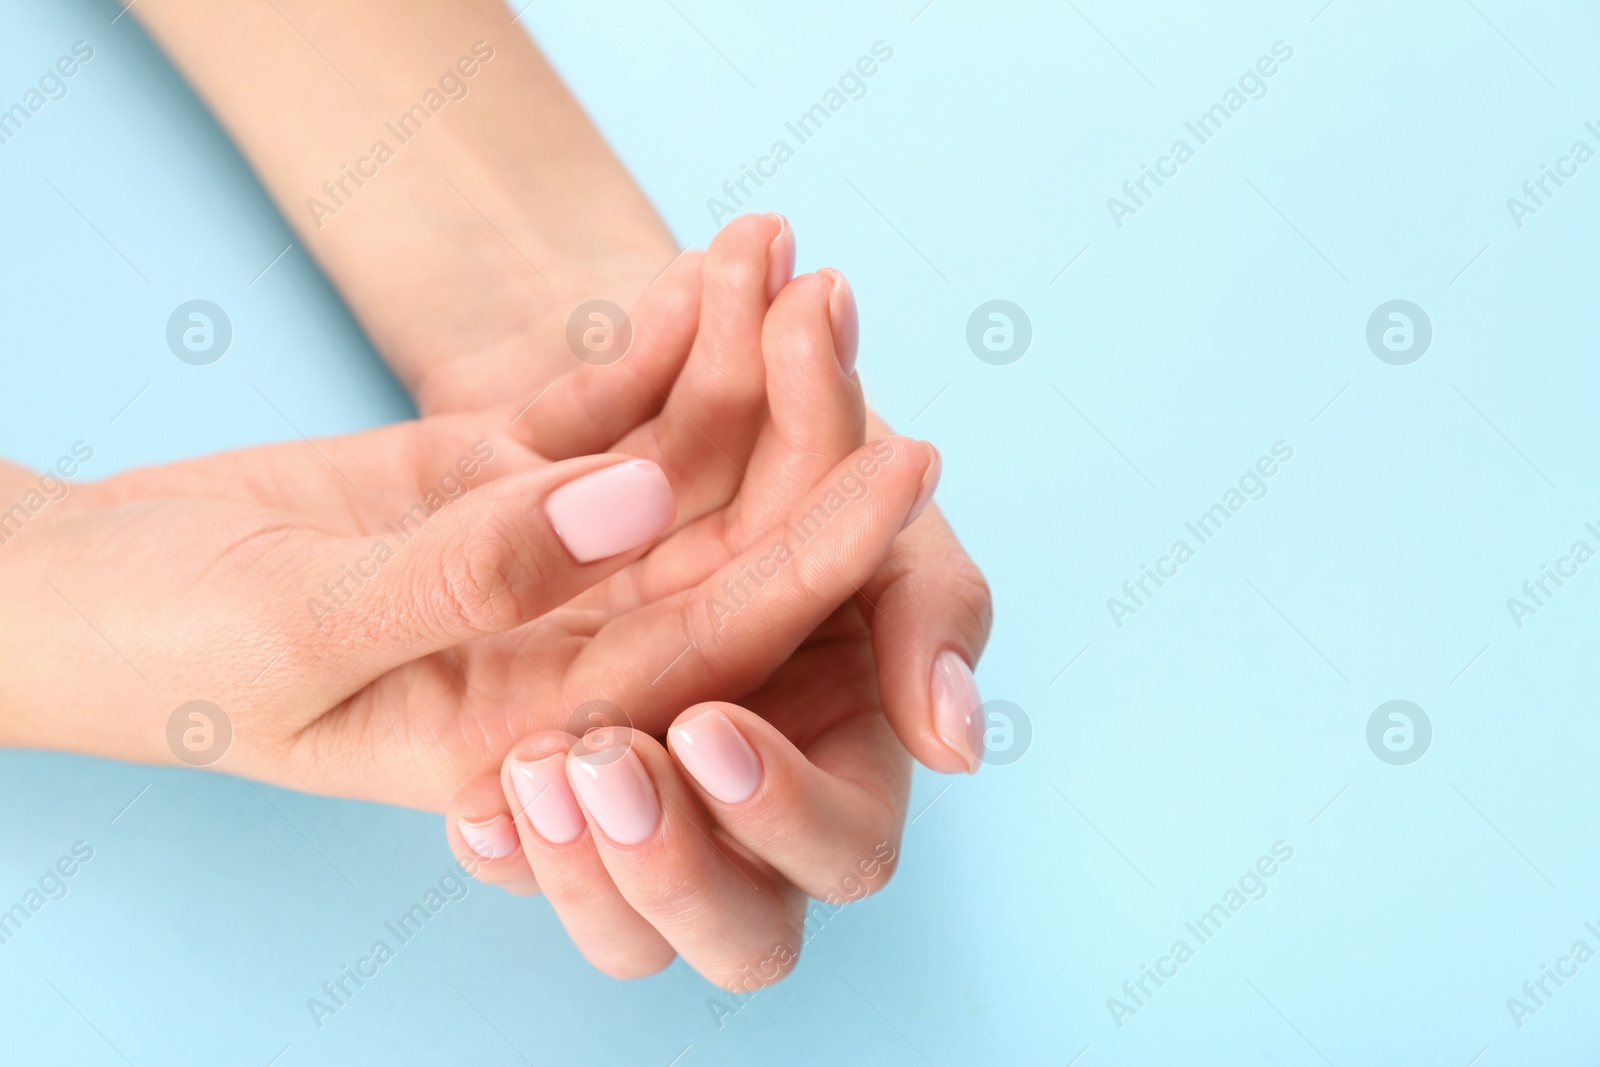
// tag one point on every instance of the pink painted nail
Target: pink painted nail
(930, 482)
(957, 707)
(493, 839)
(543, 792)
(612, 510)
(712, 749)
(780, 258)
(846, 323)
(616, 790)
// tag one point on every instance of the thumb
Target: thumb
(497, 557)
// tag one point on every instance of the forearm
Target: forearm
(442, 203)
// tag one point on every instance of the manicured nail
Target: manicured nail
(617, 791)
(930, 482)
(712, 749)
(846, 323)
(546, 798)
(612, 510)
(493, 839)
(780, 258)
(957, 707)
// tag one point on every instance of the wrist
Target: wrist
(439, 171)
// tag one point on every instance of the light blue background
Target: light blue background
(1223, 717)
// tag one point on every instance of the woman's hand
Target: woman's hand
(711, 850)
(520, 212)
(465, 259)
(369, 639)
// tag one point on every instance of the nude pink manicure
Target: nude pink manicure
(846, 322)
(612, 510)
(542, 790)
(957, 707)
(780, 258)
(494, 838)
(713, 750)
(616, 790)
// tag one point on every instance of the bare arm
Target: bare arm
(435, 166)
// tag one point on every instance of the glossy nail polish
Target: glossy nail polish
(957, 707)
(546, 797)
(617, 791)
(712, 749)
(493, 838)
(613, 510)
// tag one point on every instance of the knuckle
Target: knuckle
(972, 593)
(486, 578)
(702, 631)
(942, 582)
(669, 892)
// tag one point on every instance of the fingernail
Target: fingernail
(493, 839)
(957, 707)
(546, 798)
(617, 791)
(712, 749)
(780, 258)
(930, 482)
(846, 323)
(612, 510)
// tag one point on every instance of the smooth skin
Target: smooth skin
(196, 580)
(831, 779)
(463, 260)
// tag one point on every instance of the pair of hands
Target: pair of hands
(366, 642)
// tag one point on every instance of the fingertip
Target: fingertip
(957, 708)
(613, 510)
(484, 839)
(752, 241)
(930, 484)
(780, 257)
(918, 456)
(845, 319)
(618, 794)
(535, 781)
(491, 838)
(716, 754)
(930, 610)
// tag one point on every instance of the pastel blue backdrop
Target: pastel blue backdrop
(1229, 713)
